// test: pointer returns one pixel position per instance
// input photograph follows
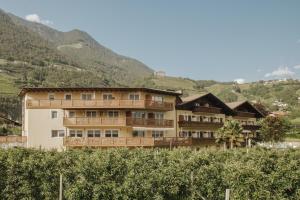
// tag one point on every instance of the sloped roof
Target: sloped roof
(192, 98)
(234, 105)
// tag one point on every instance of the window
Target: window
(86, 96)
(76, 133)
(91, 114)
(108, 97)
(111, 133)
(51, 96)
(112, 114)
(138, 114)
(54, 133)
(57, 133)
(137, 133)
(207, 134)
(157, 98)
(197, 105)
(93, 133)
(61, 133)
(68, 96)
(53, 114)
(157, 134)
(159, 115)
(134, 96)
(72, 114)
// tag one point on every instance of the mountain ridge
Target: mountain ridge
(91, 55)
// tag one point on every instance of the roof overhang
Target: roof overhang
(74, 89)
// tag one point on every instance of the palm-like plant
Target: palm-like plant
(230, 132)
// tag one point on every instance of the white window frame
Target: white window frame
(139, 114)
(87, 93)
(111, 132)
(51, 94)
(158, 98)
(59, 133)
(66, 96)
(72, 111)
(158, 134)
(159, 115)
(76, 133)
(54, 111)
(94, 133)
(108, 94)
(139, 133)
(86, 113)
(116, 113)
(136, 96)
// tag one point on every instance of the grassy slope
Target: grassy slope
(7, 84)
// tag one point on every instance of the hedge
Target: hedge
(150, 174)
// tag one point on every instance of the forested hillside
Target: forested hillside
(32, 54)
(80, 47)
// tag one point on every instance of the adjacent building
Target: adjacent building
(200, 116)
(60, 118)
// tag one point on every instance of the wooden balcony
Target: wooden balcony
(88, 121)
(251, 127)
(245, 114)
(76, 103)
(126, 142)
(12, 139)
(204, 109)
(198, 124)
(161, 123)
(158, 105)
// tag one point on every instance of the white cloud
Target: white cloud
(259, 70)
(239, 80)
(297, 67)
(281, 72)
(298, 41)
(37, 19)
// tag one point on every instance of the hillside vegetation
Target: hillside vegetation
(88, 54)
(32, 54)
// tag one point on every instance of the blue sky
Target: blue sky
(220, 40)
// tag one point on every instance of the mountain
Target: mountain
(85, 51)
(19, 43)
(32, 54)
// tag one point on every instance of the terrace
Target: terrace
(118, 121)
(78, 103)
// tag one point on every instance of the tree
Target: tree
(231, 132)
(273, 129)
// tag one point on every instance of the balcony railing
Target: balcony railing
(245, 114)
(12, 139)
(251, 127)
(126, 142)
(164, 123)
(207, 109)
(89, 121)
(76, 103)
(158, 105)
(200, 124)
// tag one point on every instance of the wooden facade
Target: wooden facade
(129, 117)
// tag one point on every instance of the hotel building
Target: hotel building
(62, 118)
